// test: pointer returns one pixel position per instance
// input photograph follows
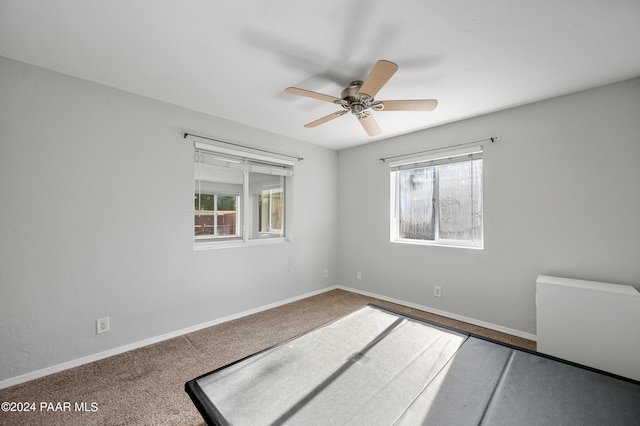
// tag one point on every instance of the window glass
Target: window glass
(268, 196)
(438, 201)
(460, 196)
(417, 203)
(216, 202)
(239, 198)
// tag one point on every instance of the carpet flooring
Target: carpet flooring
(146, 386)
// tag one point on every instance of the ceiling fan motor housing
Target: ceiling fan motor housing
(351, 92)
(353, 100)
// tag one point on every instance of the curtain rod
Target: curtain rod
(492, 139)
(297, 157)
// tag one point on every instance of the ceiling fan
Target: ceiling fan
(358, 98)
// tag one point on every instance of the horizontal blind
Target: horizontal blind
(434, 159)
(206, 154)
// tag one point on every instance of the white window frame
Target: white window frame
(270, 193)
(238, 224)
(430, 160)
(247, 162)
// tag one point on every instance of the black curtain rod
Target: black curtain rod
(185, 134)
(492, 139)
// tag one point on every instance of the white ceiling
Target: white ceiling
(233, 58)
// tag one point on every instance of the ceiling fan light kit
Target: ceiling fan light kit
(358, 98)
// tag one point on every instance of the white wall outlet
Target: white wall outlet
(326, 273)
(437, 290)
(102, 325)
(359, 275)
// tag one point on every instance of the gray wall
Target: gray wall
(96, 216)
(96, 219)
(562, 197)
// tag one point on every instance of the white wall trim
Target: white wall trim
(473, 321)
(136, 345)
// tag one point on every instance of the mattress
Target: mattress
(379, 367)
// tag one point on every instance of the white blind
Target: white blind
(234, 159)
(437, 158)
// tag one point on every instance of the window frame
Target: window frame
(435, 160)
(238, 221)
(250, 164)
(269, 195)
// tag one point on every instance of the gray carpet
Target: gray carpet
(146, 386)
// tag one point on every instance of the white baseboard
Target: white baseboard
(473, 321)
(116, 351)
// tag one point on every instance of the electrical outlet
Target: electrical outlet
(326, 273)
(437, 290)
(102, 325)
(359, 275)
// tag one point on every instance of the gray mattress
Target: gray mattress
(378, 367)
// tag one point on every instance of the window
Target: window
(437, 199)
(215, 214)
(239, 196)
(270, 213)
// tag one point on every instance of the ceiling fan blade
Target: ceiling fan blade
(310, 94)
(410, 105)
(326, 118)
(378, 77)
(369, 124)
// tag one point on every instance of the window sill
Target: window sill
(213, 245)
(441, 243)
